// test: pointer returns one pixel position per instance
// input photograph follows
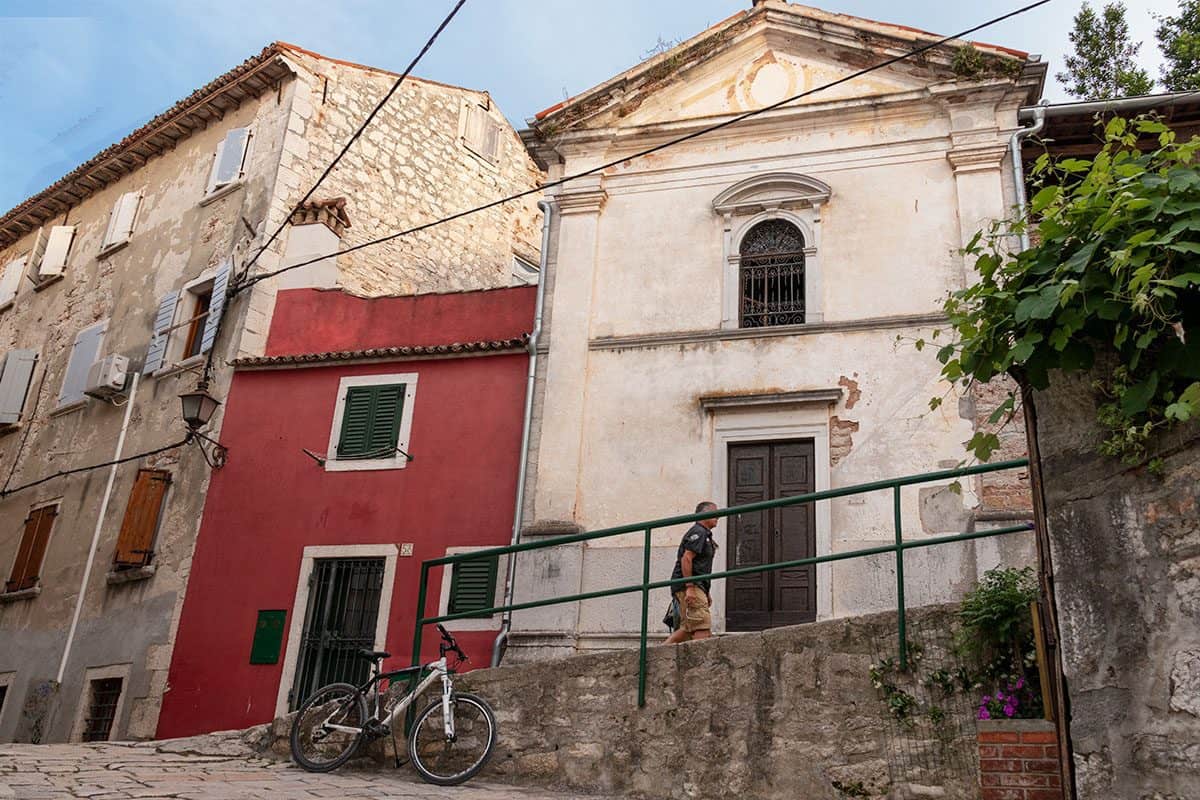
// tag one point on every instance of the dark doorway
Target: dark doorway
(767, 471)
(343, 607)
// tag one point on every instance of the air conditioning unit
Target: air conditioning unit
(107, 377)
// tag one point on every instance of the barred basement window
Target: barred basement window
(771, 275)
(102, 709)
(473, 585)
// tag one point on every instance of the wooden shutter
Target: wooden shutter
(15, 374)
(231, 153)
(136, 541)
(491, 139)
(473, 585)
(58, 247)
(371, 421)
(215, 306)
(84, 353)
(10, 280)
(32, 550)
(120, 222)
(163, 320)
(34, 258)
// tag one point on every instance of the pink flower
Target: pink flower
(987, 698)
(1009, 710)
(1020, 683)
(983, 714)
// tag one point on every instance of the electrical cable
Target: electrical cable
(648, 151)
(65, 472)
(37, 400)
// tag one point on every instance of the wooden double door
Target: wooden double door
(766, 471)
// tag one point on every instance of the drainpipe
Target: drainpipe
(87, 569)
(1014, 147)
(506, 624)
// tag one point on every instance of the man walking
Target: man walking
(694, 558)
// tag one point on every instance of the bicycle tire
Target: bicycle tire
(424, 767)
(327, 694)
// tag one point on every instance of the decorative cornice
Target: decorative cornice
(722, 335)
(976, 159)
(771, 191)
(720, 402)
(330, 212)
(584, 195)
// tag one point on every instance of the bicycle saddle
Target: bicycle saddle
(374, 655)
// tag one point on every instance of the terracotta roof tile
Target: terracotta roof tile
(386, 353)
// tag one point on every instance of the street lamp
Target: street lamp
(198, 408)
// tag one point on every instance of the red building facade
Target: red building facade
(303, 558)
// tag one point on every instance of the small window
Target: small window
(229, 162)
(482, 133)
(10, 280)
(771, 275)
(16, 373)
(524, 273)
(198, 308)
(121, 221)
(371, 421)
(135, 544)
(105, 695)
(84, 353)
(50, 253)
(32, 550)
(473, 585)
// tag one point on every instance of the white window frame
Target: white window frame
(177, 337)
(211, 192)
(396, 461)
(388, 552)
(491, 623)
(99, 673)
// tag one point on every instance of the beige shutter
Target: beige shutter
(121, 221)
(10, 280)
(230, 159)
(84, 353)
(16, 371)
(58, 248)
(34, 259)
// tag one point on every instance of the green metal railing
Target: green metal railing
(898, 548)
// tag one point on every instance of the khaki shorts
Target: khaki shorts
(694, 614)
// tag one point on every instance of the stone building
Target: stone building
(136, 254)
(723, 316)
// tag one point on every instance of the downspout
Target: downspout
(1014, 148)
(535, 335)
(87, 569)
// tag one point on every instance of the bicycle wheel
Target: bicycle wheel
(319, 746)
(447, 761)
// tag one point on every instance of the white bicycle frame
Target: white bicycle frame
(437, 671)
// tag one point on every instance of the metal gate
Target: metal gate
(343, 607)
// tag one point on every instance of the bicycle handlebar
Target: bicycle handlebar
(449, 644)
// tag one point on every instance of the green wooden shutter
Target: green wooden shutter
(268, 637)
(473, 585)
(371, 421)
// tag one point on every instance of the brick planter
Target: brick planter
(1018, 760)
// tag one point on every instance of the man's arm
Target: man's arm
(685, 566)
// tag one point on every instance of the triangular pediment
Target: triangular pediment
(766, 55)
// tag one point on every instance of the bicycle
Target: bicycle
(450, 740)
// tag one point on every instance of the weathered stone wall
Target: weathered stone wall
(410, 167)
(1125, 547)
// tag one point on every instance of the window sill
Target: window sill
(217, 194)
(494, 166)
(366, 464)
(22, 594)
(116, 577)
(47, 283)
(179, 366)
(67, 408)
(111, 248)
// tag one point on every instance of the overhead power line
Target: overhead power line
(649, 150)
(90, 467)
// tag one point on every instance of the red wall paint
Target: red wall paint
(270, 500)
(313, 320)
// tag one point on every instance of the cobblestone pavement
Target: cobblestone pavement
(120, 771)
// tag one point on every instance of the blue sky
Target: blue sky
(77, 76)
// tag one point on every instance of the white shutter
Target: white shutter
(34, 258)
(231, 153)
(58, 247)
(10, 280)
(84, 353)
(158, 341)
(120, 222)
(15, 373)
(212, 175)
(491, 140)
(215, 306)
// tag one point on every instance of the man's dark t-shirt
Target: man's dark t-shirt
(699, 540)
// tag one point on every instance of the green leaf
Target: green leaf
(1184, 247)
(1002, 409)
(1136, 398)
(1040, 305)
(944, 354)
(1146, 339)
(919, 344)
(1077, 356)
(983, 444)
(1182, 281)
(1043, 198)
(934, 402)
(1079, 259)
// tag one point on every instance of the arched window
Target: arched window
(771, 275)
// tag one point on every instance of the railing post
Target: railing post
(900, 580)
(422, 589)
(645, 621)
